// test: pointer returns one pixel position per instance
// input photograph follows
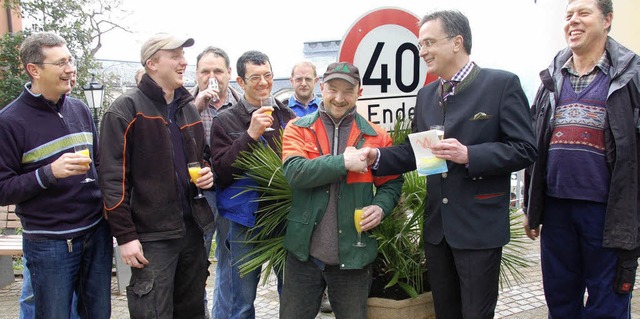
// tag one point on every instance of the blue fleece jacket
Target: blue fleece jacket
(34, 133)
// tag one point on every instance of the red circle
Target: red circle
(371, 21)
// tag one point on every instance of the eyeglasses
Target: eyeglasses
(256, 78)
(60, 64)
(428, 43)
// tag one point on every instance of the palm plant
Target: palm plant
(401, 259)
(264, 165)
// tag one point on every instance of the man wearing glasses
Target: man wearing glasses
(232, 132)
(304, 78)
(487, 135)
(67, 243)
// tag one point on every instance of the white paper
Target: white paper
(426, 162)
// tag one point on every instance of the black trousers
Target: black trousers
(172, 285)
(464, 282)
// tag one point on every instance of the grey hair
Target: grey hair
(217, 52)
(31, 48)
(453, 23)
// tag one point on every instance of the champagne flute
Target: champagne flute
(194, 173)
(357, 218)
(439, 130)
(213, 84)
(268, 101)
(83, 150)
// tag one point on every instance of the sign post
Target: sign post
(383, 45)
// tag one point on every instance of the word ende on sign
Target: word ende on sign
(384, 112)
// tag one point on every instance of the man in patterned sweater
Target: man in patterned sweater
(584, 187)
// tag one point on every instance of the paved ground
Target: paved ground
(521, 301)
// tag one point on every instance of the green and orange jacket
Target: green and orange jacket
(310, 169)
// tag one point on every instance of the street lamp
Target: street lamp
(94, 92)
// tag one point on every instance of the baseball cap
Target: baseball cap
(162, 41)
(342, 70)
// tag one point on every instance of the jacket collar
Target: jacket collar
(363, 125)
(39, 101)
(152, 90)
(621, 60)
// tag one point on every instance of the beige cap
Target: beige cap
(162, 41)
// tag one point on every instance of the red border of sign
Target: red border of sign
(371, 21)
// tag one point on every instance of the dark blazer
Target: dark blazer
(489, 114)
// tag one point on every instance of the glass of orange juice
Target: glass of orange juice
(83, 150)
(269, 101)
(194, 172)
(357, 218)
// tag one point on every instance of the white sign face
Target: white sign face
(383, 45)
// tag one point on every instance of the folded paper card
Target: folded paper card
(426, 162)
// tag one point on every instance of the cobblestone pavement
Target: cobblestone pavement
(524, 300)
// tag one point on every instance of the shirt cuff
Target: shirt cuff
(376, 164)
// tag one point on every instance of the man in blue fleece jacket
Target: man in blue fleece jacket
(66, 242)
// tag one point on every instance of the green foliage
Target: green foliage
(13, 76)
(264, 166)
(81, 24)
(400, 249)
(401, 257)
(512, 254)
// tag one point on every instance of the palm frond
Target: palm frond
(264, 166)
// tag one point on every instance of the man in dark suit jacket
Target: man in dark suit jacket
(487, 135)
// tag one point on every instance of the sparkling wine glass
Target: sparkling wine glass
(194, 173)
(269, 101)
(357, 218)
(213, 84)
(84, 151)
(439, 130)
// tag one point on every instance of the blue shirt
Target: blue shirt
(301, 109)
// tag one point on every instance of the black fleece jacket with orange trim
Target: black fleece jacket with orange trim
(140, 186)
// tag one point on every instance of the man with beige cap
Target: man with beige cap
(148, 136)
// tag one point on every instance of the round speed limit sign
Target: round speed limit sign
(383, 45)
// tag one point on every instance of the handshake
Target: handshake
(359, 160)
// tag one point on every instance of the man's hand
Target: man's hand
(70, 164)
(369, 154)
(451, 149)
(260, 120)
(371, 217)
(204, 97)
(132, 255)
(205, 181)
(531, 233)
(353, 161)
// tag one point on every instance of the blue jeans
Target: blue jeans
(348, 289)
(243, 288)
(222, 282)
(208, 237)
(57, 271)
(573, 259)
(27, 302)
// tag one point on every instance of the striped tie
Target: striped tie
(447, 89)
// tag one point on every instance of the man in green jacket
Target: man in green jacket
(330, 182)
